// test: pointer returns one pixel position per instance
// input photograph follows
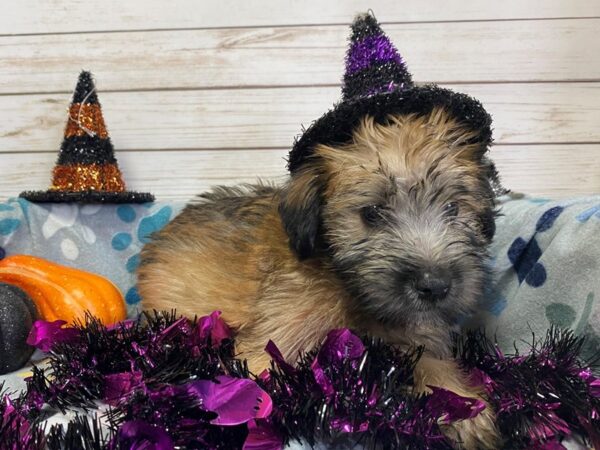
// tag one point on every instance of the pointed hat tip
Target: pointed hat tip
(365, 23)
(86, 75)
(85, 89)
(367, 16)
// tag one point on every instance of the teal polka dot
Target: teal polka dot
(560, 315)
(24, 207)
(133, 263)
(8, 226)
(588, 213)
(126, 213)
(121, 241)
(538, 201)
(132, 297)
(155, 222)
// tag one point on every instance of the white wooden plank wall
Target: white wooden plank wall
(197, 93)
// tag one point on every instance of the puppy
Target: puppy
(386, 235)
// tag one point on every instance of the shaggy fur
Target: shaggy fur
(346, 242)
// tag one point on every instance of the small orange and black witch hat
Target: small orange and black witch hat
(86, 170)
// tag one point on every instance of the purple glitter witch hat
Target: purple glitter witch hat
(373, 65)
(377, 83)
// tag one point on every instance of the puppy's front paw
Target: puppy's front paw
(479, 432)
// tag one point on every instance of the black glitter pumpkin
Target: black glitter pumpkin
(17, 314)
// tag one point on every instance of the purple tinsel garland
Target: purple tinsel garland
(175, 382)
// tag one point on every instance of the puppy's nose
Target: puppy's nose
(433, 285)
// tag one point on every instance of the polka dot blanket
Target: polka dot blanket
(104, 239)
(545, 270)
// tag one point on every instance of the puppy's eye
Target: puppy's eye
(451, 209)
(371, 214)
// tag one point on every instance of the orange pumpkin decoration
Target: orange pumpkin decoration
(60, 292)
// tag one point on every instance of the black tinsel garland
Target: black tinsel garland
(546, 392)
(17, 426)
(83, 433)
(171, 382)
(370, 399)
(158, 346)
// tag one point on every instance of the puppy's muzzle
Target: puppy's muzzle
(433, 285)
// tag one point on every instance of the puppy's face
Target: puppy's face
(405, 213)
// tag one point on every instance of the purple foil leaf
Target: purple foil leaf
(140, 435)
(214, 327)
(278, 358)
(235, 400)
(44, 335)
(179, 327)
(451, 407)
(321, 379)
(264, 376)
(262, 436)
(339, 345)
(369, 52)
(119, 385)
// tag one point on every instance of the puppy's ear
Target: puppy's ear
(300, 209)
(490, 187)
(493, 188)
(488, 223)
(479, 154)
(494, 178)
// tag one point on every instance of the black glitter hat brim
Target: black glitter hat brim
(337, 125)
(54, 196)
